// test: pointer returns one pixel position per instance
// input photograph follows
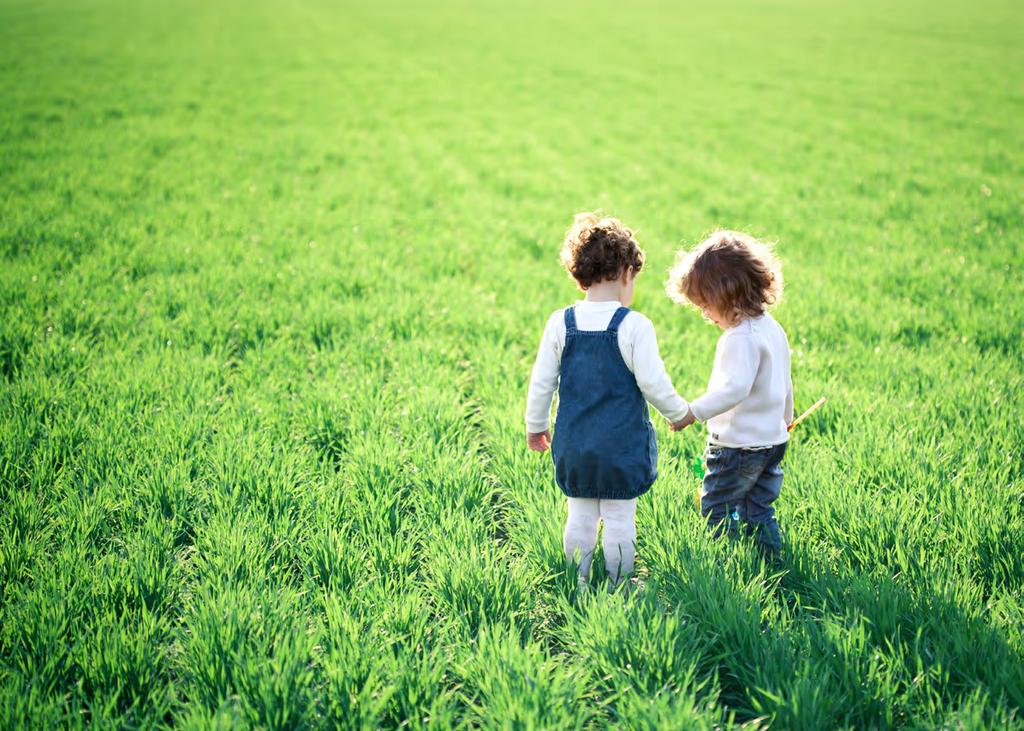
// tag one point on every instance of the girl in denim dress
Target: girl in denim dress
(732, 278)
(603, 360)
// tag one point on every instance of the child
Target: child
(732, 278)
(604, 360)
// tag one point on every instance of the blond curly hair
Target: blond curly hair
(599, 248)
(730, 271)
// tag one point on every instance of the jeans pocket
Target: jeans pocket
(722, 461)
(752, 461)
(774, 464)
(714, 455)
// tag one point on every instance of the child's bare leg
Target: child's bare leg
(580, 536)
(619, 542)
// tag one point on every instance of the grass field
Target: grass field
(272, 280)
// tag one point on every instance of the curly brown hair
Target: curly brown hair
(730, 271)
(597, 249)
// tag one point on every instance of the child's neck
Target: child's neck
(608, 291)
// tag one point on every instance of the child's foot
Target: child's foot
(635, 585)
(629, 587)
(771, 556)
(767, 540)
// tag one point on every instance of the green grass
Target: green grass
(272, 279)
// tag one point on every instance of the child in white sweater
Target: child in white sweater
(603, 359)
(732, 278)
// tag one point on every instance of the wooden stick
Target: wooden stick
(815, 407)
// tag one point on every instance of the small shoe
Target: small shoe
(629, 587)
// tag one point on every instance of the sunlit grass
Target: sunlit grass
(272, 279)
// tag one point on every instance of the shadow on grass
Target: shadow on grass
(812, 647)
(902, 647)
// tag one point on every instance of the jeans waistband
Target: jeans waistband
(745, 449)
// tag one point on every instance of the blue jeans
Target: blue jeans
(740, 486)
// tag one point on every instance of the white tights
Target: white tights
(580, 539)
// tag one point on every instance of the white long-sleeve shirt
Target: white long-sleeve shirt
(637, 343)
(749, 401)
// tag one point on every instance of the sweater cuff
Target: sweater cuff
(698, 411)
(536, 427)
(679, 413)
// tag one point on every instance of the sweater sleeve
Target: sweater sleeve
(736, 363)
(544, 378)
(651, 376)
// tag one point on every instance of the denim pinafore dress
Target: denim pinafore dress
(604, 444)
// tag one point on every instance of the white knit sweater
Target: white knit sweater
(749, 400)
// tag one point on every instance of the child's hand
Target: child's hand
(540, 441)
(684, 422)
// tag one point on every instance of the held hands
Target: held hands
(684, 422)
(540, 441)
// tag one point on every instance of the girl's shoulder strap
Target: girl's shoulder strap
(617, 318)
(570, 319)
